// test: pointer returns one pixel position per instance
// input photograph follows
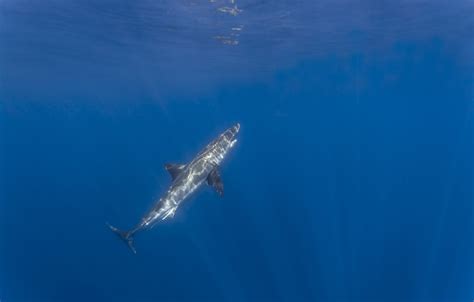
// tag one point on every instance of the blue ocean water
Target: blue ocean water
(352, 179)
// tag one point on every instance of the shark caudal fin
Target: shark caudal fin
(127, 237)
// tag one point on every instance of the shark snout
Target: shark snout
(232, 132)
(236, 128)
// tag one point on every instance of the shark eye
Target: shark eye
(229, 135)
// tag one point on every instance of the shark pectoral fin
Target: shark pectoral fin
(215, 181)
(174, 169)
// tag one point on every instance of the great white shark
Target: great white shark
(186, 179)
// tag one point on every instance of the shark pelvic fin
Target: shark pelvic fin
(169, 213)
(174, 169)
(127, 237)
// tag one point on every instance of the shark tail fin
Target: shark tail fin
(127, 237)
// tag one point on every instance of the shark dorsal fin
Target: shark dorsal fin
(215, 181)
(174, 169)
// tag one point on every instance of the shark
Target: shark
(186, 180)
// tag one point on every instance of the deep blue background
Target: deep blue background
(352, 179)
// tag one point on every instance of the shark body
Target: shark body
(186, 179)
